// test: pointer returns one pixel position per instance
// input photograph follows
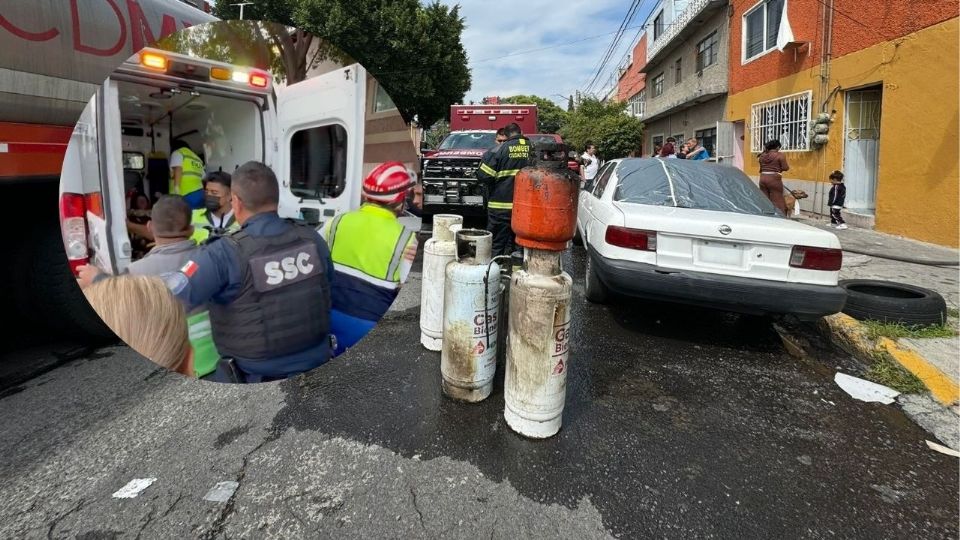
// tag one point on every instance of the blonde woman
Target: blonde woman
(146, 315)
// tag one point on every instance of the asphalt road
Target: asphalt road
(679, 422)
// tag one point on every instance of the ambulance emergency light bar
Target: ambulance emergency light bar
(198, 69)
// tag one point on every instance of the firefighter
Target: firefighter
(501, 138)
(372, 253)
(217, 218)
(267, 287)
(186, 174)
(498, 171)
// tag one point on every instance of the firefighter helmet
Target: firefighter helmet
(389, 183)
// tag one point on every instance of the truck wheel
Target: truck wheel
(595, 291)
(892, 302)
(53, 297)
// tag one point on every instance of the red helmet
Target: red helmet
(389, 183)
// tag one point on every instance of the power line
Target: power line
(613, 44)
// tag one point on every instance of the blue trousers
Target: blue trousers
(348, 330)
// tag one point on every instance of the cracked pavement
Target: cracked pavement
(669, 431)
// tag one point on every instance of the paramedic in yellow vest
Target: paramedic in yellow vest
(186, 174)
(372, 254)
(217, 217)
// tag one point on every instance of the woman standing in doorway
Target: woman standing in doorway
(772, 166)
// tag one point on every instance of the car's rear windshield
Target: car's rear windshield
(469, 141)
(690, 184)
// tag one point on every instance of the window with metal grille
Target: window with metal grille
(658, 26)
(679, 69)
(760, 27)
(658, 85)
(707, 51)
(637, 104)
(786, 119)
(707, 139)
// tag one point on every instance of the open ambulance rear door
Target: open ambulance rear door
(320, 144)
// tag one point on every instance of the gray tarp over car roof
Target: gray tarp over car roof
(690, 184)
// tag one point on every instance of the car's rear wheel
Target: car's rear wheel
(595, 291)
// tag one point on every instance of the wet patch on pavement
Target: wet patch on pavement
(678, 421)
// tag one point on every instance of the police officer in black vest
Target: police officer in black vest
(267, 287)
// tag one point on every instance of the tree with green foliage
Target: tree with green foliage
(434, 136)
(607, 125)
(550, 117)
(415, 51)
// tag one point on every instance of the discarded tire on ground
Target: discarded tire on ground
(891, 302)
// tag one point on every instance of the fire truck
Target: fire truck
(449, 181)
(66, 181)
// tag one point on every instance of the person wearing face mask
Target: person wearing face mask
(267, 287)
(217, 218)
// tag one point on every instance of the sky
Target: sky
(492, 33)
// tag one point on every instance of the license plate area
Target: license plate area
(718, 254)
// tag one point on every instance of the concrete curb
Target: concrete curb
(851, 336)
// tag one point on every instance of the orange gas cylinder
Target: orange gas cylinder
(545, 200)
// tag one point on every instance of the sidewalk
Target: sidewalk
(935, 361)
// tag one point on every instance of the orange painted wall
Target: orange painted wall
(857, 25)
(632, 80)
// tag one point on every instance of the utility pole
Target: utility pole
(241, 4)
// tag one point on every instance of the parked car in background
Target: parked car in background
(702, 234)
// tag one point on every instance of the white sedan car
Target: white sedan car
(703, 234)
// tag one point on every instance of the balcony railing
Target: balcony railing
(676, 26)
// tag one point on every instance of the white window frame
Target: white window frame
(373, 107)
(636, 104)
(759, 126)
(762, 4)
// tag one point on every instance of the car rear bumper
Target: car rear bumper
(744, 295)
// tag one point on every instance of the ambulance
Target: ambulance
(88, 109)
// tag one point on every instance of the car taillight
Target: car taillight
(73, 221)
(631, 238)
(814, 258)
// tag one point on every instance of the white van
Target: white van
(310, 133)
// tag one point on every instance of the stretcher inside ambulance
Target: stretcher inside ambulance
(310, 134)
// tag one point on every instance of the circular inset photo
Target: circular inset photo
(234, 201)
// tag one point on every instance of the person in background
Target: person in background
(591, 163)
(372, 254)
(138, 216)
(142, 312)
(656, 150)
(695, 151)
(498, 172)
(669, 150)
(174, 247)
(772, 165)
(501, 138)
(186, 174)
(267, 287)
(170, 228)
(217, 218)
(836, 200)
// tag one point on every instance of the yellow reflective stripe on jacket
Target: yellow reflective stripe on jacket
(508, 172)
(500, 205)
(488, 169)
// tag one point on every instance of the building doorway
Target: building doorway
(861, 149)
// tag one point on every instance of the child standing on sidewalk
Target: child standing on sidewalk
(838, 195)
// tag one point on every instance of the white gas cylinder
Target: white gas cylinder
(538, 345)
(438, 251)
(468, 359)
